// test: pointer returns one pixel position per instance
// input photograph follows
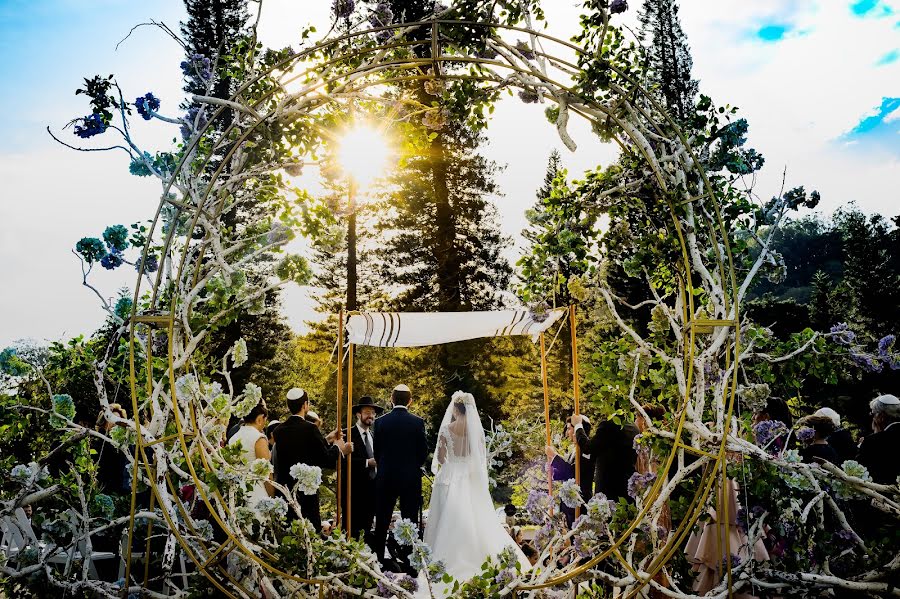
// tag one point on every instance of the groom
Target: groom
(400, 453)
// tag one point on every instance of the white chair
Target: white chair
(19, 534)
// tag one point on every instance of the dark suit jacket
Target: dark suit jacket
(362, 484)
(613, 456)
(401, 449)
(878, 453)
(301, 442)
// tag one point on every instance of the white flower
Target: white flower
(239, 353)
(248, 400)
(204, 529)
(187, 387)
(20, 473)
(854, 468)
(570, 494)
(309, 478)
(274, 508)
(261, 468)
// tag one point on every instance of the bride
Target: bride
(462, 527)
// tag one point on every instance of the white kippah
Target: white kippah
(312, 414)
(401, 388)
(829, 413)
(887, 400)
(296, 393)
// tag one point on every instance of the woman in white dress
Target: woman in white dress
(463, 529)
(254, 445)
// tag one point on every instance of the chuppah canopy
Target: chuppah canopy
(417, 329)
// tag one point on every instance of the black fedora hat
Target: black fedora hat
(367, 402)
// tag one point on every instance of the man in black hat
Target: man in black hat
(362, 469)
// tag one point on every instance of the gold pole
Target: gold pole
(577, 394)
(340, 392)
(546, 412)
(349, 515)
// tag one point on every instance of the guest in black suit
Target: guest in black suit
(878, 451)
(362, 469)
(300, 442)
(400, 453)
(613, 455)
(564, 468)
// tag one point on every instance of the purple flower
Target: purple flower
(197, 64)
(843, 334)
(845, 538)
(404, 581)
(537, 506)
(525, 50)
(806, 434)
(91, 125)
(343, 8)
(638, 483)
(150, 266)
(866, 362)
(618, 6)
(381, 15)
(146, 105)
(885, 344)
(193, 122)
(768, 430)
(528, 96)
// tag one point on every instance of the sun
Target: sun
(363, 153)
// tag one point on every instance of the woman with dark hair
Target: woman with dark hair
(822, 426)
(252, 439)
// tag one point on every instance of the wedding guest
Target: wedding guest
(254, 445)
(612, 454)
(841, 439)
(777, 410)
(362, 469)
(563, 468)
(314, 418)
(530, 552)
(818, 448)
(327, 528)
(299, 441)
(878, 452)
(270, 432)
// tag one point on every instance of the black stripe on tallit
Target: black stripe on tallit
(391, 334)
(383, 329)
(397, 338)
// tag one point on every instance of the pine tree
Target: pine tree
(212, 29)
(442, 246)
(669, 57)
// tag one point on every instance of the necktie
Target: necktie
(369, 451)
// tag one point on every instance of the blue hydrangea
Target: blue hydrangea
(195, 118)
(570, 494)
(91, 125)
(381, 15)
(104, 505)
(63, 409)
(404, 581)
(146, 105)
(342, 9)
(767, 431)
(618, 6)
(866, 362)
(197, 64)
(420, 556)
(151, 265)
(116, 237)
(11, 364)
(842, 334)
(111, 260)
(537, 506)
(91, 249)
(123, 307)
(138, 166)
(638, 483)
(406, 532)
(806, 434)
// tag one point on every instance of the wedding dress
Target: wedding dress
(462, 528)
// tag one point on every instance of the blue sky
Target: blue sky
(818, 81)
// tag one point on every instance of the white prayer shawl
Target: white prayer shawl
(417, 329)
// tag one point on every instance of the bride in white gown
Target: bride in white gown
(462, 527)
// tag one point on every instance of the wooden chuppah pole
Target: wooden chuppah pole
(348, 514)
(340, 392)
(577, 396)
(546, 412)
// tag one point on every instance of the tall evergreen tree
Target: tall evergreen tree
(669, 57)
(212, 29)
(442, 246)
